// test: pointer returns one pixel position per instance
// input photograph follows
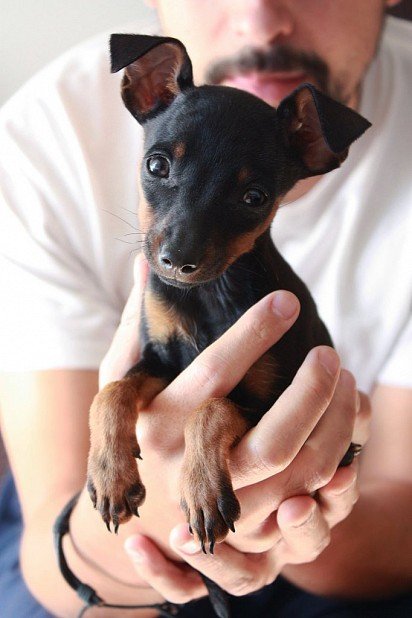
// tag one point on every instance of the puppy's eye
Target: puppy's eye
(158, 166)
(254, 197)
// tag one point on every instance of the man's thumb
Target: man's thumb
(124, 351)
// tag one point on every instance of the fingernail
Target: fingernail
(329, 360)
(132, 550)
(182, 540)
(347, 380)
(307, 519)
(284, 304)
(343, 490)
(191, 547)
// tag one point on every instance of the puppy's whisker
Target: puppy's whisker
(133, 212)
(126, 242)
(121, 219)
(257, 258)
(242, 267)
(139, 250)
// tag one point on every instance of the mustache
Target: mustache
(278, 58)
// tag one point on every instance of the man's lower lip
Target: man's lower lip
(272, 88)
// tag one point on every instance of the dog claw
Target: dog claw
(136, 453)
(190, 529)
(92, 493)
(212, 547)
(108, 526)
(352, 452)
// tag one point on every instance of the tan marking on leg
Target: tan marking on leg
(208, 498)
(113, 477)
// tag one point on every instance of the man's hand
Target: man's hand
(293, 451)
(301, 532)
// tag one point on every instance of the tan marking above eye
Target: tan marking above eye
(243, 174)
(179, 150)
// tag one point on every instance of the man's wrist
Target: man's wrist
(98, 568)
(98, 558)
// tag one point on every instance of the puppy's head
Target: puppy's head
(218, 160)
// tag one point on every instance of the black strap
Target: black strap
(219, 598)
(84, 591)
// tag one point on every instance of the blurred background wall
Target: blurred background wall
(34, 32)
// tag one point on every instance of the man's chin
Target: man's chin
(271, 87)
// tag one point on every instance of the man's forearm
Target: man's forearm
(369, 554)
(42, 575)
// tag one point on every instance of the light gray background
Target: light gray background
(34, 32)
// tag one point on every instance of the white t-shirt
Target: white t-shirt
(68, 197)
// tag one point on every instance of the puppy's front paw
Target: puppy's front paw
(208, 501)
(113, 479)
(114, 486)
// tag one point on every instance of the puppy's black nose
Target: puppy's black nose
(168, 262)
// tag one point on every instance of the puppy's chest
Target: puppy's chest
(178, 336)
(191, 324)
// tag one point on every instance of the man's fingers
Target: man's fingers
(305, 531)
(315, 463)
(272, 445)
(177, 583)
(234, 571)
(217, 370)
(255, 537)
(322, 452)
(363, 417)
(124, 351)
(299, 529)
(338, 497)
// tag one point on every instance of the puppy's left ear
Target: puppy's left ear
(318, 129)
(157, 69)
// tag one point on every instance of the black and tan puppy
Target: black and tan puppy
(217, 164)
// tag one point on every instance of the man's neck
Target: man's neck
(300, 189)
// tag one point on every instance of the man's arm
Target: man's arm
(44, 420)
(370, 552)
(52, 470)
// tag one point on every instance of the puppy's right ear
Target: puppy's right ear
(156, 70)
